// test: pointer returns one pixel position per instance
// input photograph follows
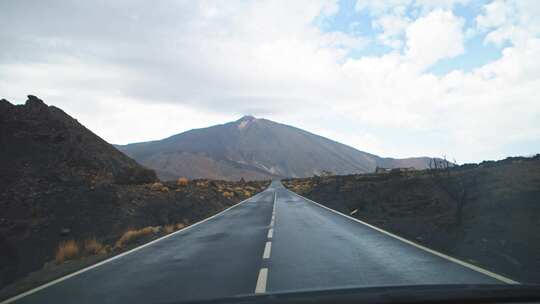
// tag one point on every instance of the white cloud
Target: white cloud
(376, 7)
(495, 14)
(393, 27)
(510, 20)
(433, 37)
(393, 17)
(136, 71)
(429, 5)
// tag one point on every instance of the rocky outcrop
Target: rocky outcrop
(43, 142)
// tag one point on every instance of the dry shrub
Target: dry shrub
(67, 250)
(168, 228)
(228, 194)
(202, 184)
(132, 235)
(93, 246)
(247, 193)
(158, 187)
(180, 226)
(182, 181)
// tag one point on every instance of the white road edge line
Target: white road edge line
(270, 233)
(442, 255)
(31, 291)
(267, 250)
(261, 281)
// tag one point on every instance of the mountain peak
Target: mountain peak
(255, 148)
(35, 102)
(247, 118)
(245, 121)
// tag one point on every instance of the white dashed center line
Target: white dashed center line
(261, 281)
(263, 273)
(267, 249)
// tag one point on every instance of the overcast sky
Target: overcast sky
(396, 78)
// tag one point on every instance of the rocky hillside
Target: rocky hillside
(41, 143)
(487, 214)
(67, 195)
(255, 149)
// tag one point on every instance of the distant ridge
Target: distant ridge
(255, 148)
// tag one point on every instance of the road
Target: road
(274, 242)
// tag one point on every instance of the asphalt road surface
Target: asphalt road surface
(274, 242)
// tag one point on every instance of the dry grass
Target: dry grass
(180, 226)
(158, 187)
(133, 235)
(168, 228)
(202, 184)
(182, 181)
(67, 250)
(228, 194)
(93, 246)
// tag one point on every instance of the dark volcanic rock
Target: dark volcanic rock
(496, 228)
(44, 143)
(59, 181)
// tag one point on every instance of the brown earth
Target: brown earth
(60, 182)
(487, 214)
(256, 148)
(32, 232)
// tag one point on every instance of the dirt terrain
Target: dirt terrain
(68, 196)
(33, 233)
(487, 214)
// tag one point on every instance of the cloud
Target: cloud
(392, 18)
(393, 27)
(495, 14)
(134, 70)
(509, 21)
(381, 7)
(429, 5)
(435, 36)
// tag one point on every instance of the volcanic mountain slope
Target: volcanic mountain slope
(255, 149)
(61, 182)
(41, 142)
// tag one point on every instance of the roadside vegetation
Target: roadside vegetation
(67, 250)
(108, 219)
(487, 214)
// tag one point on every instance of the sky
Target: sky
(396, 78)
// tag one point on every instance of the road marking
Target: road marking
(261, 281)
(267, 249)
(272, 223)
(270, 233)
(442, 255)
(31, 291)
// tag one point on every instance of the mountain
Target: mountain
(60, 182)
(43, 142)
(254, 148)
